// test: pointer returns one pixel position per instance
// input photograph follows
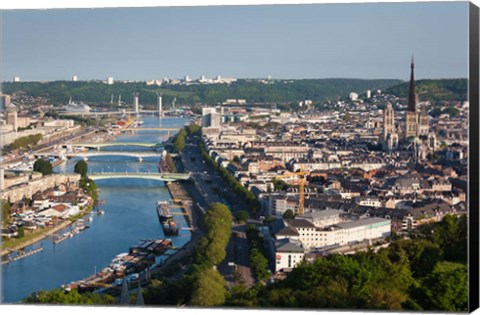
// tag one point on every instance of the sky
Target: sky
(353, 40)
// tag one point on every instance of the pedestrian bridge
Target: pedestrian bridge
(164, 177)
(114, 144)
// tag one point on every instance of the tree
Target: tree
(242, 216)
(288, 214)
(81, 167)
(43, 167)
(5, 211)
(89, 187)
(259, 264)
(170, 163)
(60, 296)
(446, 288)
(21, 232)
(209, 289)
(179, 143)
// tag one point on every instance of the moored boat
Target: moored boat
(163, 211)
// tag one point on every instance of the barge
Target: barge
(138, 259)
(166, 218)
(163, 211)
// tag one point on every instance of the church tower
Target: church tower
(411, 118)
(423, 129)
(390, 137)
(388, 121)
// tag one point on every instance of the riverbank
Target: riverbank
(180, 193)
(43, 234)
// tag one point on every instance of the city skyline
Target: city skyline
(373, 40)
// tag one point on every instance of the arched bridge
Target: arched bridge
(114, 144)
(86, 154)
(164, 177)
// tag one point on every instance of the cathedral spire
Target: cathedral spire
(412, 106)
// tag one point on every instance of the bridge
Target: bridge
(114, 144)
(164, 177)
(86, 154)
(147, 129)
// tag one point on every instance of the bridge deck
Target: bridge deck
(166, 177)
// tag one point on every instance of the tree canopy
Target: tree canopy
(43, 166)
(73, 297)
(81, 167)
(5, 210)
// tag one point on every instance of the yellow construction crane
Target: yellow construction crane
(301, 187)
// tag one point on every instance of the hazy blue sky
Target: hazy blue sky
(284, 41)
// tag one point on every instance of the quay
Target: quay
(140, 258)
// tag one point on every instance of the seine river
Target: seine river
(130, 216)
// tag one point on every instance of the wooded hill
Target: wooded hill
(434, 90)
(284, 91)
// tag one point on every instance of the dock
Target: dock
(22, 255)
(138, 259)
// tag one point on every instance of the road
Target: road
(48, 145)
(209, 184)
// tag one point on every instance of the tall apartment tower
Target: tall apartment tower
(159, 104)
(411, 118)
(135, 102)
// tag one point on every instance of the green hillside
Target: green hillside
(59, 92)
(434, 90)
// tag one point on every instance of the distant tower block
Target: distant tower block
(135, 102)
(110, 80)
(111, 99)
(16, 79)
(369, 94)
(74, 78)
(119, 99)
(159, 104)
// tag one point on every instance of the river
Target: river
(130, 216)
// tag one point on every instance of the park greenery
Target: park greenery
(258, 261)
(5, 206)
(43, 166)
(24, 142)
(86, 183)
(73, 297)
(427, 272)
(180, 140)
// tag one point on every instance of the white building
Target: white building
(16, 79)
(74, 78)
(288, 254)
(135, 103)
(110, 80)
(353, 96)
(312, 236)
(210, 117)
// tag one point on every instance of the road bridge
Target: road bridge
(87, 154)
(164, 177)
(146, 129)
(113, 144)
